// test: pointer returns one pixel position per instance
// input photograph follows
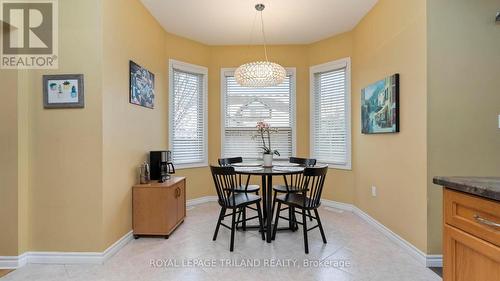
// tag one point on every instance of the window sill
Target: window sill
(336, 166)
(191, 166)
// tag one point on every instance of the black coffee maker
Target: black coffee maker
(161, 165)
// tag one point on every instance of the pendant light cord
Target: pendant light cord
(263, 35)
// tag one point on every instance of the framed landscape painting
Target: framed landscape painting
(380, 106)
(142, 86)
(63, 91)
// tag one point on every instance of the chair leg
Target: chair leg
(304, 221)
(320, 225)
(309, 213)
(239, 217)
(233, 227)
(276, 221)
(221, 216)
(294, 219)
(244, 223)
(274, 203)
(291, 223)
(261, 222)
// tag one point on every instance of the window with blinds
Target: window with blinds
(243, 107)
(330, 114)
(188, 114)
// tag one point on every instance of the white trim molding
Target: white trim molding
(196, 69)
(434, 261)
(421, 257)
(13, 262)
(201, 200)
(229, 71)
(326, 67)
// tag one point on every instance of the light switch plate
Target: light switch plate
(499, 121)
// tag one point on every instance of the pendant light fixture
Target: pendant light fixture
(260, 73)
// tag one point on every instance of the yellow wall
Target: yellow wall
(8, 163)
(81, 163)
(392, 39)
(339, 183)
(23, 162)
(130, 131)
(463, 97)
(66, 144)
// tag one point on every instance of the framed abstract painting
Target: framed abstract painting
(380, 106)
(142, 86)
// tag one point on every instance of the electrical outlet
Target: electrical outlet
(374, 191)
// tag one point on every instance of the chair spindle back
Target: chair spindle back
(314, 180)
(224, 162)
(225, 180)
(296, 181)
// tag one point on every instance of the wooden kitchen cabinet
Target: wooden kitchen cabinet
(471, 238)
(158, 208)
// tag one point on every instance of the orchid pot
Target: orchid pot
(268, 160)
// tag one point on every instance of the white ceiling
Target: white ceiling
(229, 22)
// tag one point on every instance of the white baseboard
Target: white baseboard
(117, 246)
(424, 259)
(434, 261)
(201, 200)
(12, 262)
(337, 205)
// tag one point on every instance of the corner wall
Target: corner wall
(66, 144)
(83, 162)
(463, 97)
(131, 131)
(390, 39)
(339, 183)
(8, 164)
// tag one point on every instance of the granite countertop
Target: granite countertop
(486, 187)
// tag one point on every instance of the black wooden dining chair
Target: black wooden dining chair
(291, 181)
(309, 199)
(242, 187)
(226, 180)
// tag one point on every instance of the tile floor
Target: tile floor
(355, 251)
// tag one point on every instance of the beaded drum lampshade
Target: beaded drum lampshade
(260, 73)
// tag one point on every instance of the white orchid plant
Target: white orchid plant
(264, 130)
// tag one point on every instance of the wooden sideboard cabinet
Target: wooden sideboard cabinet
(471, 237)
(158, 208)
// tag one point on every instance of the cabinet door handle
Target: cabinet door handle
(485, 221)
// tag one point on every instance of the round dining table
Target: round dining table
(267, 174)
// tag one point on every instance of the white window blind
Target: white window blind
(330, 114)
(188, 130)
(243, 107)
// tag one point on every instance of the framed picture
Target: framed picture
(63, 91)
(142, 86)
(380, 106)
